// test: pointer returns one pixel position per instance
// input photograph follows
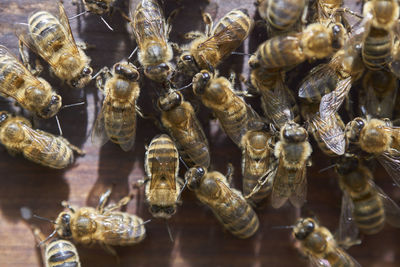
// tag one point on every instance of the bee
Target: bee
(151, 32)
(163, 187)
(99, 7)
(209, 49)
(178, 116)
(378, 138)
(256, 164)
(58, 252)
(227, 204)
(378, 98)
(365, 207)
(102, 225)
(285, 52)
(117, 118)
(32, 93)
(234, 115)
(17, 135)
(319, 245)
(282, 15)
(51, 38)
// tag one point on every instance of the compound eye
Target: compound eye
(336, 29)
(301, 234)
(164, 66)
(74, 83)
(132, 75)
(87, 71)
(309, 227)
(169, 210)
(200, 171)
(187, 58)
(66, 218)
(117, 68)
(206, 76)
(360, 123)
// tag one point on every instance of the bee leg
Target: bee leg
(251, 90)
(12, 152)
(101, 77)
(208, 21)
(304, 15)
(141, 182)
(85, 46)
(170, 18)
(37, 69)
(351, 12)
(193, 35)
(111, 251)
(103, 200)
(123, 202)
(66, 205)
(229, 173)
(176, 48)
(74, 148)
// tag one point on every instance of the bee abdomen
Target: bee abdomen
(145, 10)
(283, 14)
(197, 151)
(62, 253)
(239, 24)
(369, 215)
(120, 129)
(376, 49)
(47, 31)
(279, 52)
(135, 230)
(11, 80)
(249, 182)
(240, 220)
(234, 122)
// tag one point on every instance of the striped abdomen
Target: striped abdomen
(283, 14)
(11, 80)
(47, 33)
(368, 212)
(186, 130)
(120, 122)
(280, 52)
(376, 48)
(61, 253)
(237, 216)
(121, 229)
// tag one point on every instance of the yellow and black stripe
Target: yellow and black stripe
(61, 253)
(377, 48)
(282, 15)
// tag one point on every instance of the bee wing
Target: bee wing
(331, 102)
(163, 169)
(330, 132)
(62, 16)
(280, 187)
(390, 160)
(148, 23)
(348, 230)
(99, 134)
(15, 66)
(277, 104)
(321, 80)
(115, 228)
(128, 115)
(299, 195)
(392, 210)
(344, 258)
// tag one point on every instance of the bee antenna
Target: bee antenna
(283, 227)
(78, 15)
(105, 22)
(47, 238)
(73, 105)
(184, 87)
(327, 168)
(22, 23)
(240, 53)
(133, 52)
(183, 162)
(68, 206)
(169, 231)
(183, 187)
(43, 219)
(97, 74)
(59, 126)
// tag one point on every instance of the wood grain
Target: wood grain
(199, 240)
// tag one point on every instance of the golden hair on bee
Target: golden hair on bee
(51, 38)
(17, 135)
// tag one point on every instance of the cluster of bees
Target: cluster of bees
(276, 149)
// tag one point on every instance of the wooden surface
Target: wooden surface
(199, 240)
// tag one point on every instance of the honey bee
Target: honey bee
(163, 187)
(52, 39)
(285, 52)
(209, 49)
(365, 206)
(58, 252)
(103, 224)
(17, 135)
(151, 32)
(117, 118)
(99, 7)
(379, 95)
(178, 116)
(227, 204)
(378, 138)
(319, 245)
(234, 115)
(256, 164)
(32, 93)
(282, 16)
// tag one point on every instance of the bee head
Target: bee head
(63, 224)
(127, 70)
(337, 34)
(186, 63)
(303, 228)
(52, 108)
(200, 81)
(254, 63)
(346, 164)
(83, 78)
(97, 7)
(293, 133)
(170, 101)
(158, 72)
(4, 115)
(194, 176)
(317, 41)
(354, 128)
(162, 211)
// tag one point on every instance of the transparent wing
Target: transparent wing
(99, 134)
(42, 142)
(62, 16)
(115, 227)
(331, 133)
(390, 160)
(128, 117)
(280, 187)
(299, 195)
(392, 210)
(331, 102)
(347, 232)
